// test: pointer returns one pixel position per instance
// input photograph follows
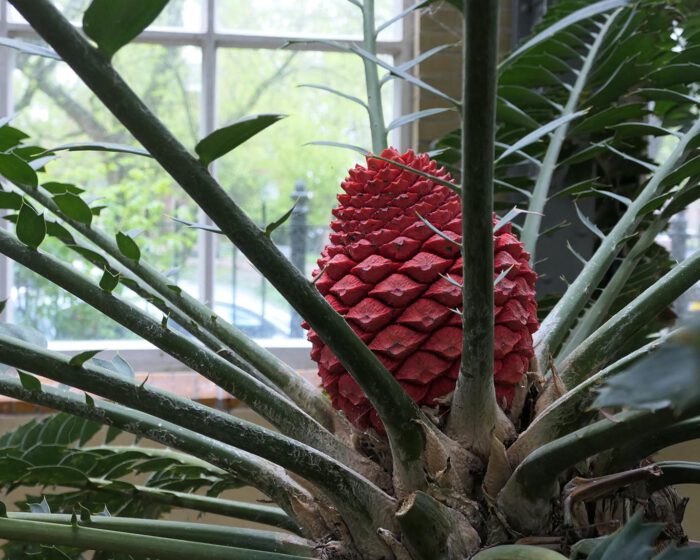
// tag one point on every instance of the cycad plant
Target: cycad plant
(448, 426)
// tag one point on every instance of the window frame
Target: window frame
(142, 355)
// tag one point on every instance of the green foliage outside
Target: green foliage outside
(54, 108)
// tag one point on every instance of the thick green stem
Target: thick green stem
(300, 391)
(572, 411)
(604, 342)
(629, 453)
(362, 504)
(433, 531)
(267, 402)
(526, 497)
(556, 325)
(473, 413)
(87, 538)
(675, 472)
(540, 192)
(595, 315)
(399, 414)
(374, 92)
(194, 532)
(257, 513)
(246, 467)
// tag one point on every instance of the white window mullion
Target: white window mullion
(207, 243)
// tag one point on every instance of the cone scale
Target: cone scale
(395, 281)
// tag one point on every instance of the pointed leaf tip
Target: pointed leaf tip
(82, 357)
(225, 139)
(29, 382)
(41, 507)
(269, 228)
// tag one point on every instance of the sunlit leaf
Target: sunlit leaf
(17, 171)
(128, 247)
(225, 139)
(74, 207)
(30, 228)
(114, 24)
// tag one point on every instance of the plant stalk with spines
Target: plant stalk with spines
(266, 541)
(375, 108)
(258, 396)
(555, 326)
(128, 543)
(473, 412)
(626, 454)
(250, 469)
(594, 316)
(196, 313)
(401, 417)
(225, 428)
(588, 357)
(543, 183)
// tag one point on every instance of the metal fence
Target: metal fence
(245, 298)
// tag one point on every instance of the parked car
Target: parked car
(252, 322)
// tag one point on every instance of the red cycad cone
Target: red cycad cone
(387, 272)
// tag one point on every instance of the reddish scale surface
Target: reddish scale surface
(384, 270)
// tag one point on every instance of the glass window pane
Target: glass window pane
(55, 108)
(312, 17)
(71, 9)
(178, 14)
(262, 173)
(181, 14)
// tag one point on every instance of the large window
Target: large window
(203, 64)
